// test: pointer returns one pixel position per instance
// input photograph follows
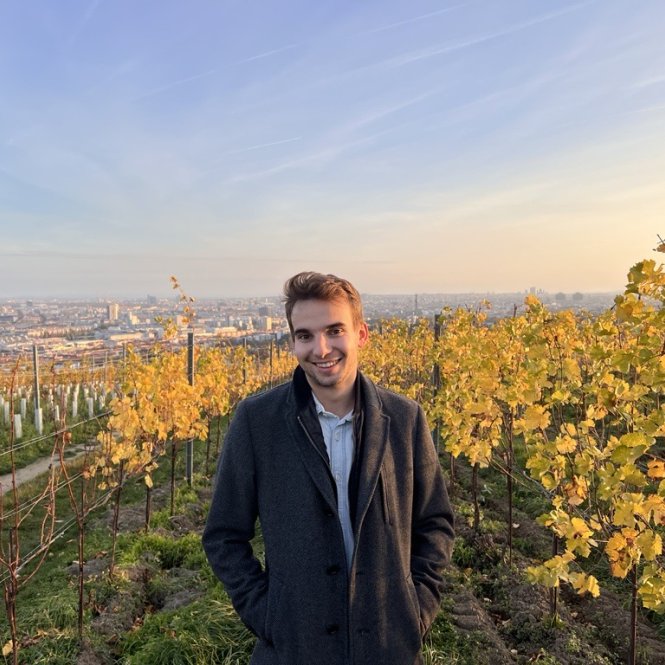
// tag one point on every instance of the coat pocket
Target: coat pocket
(275, 588)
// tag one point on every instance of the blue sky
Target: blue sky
(411, 147)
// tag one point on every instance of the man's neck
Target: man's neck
(335, 402)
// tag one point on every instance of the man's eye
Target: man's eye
(302, 337)
(336, 331)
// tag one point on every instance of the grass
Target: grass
(446, 645)
(205, 632)
(171, 552)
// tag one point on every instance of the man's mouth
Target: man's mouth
(327, 363)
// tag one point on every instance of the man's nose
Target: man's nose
(321, 346)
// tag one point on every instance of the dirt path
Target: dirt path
(30, 472)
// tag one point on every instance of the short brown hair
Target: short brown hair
(317, 286)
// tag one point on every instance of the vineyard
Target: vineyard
(549, 425)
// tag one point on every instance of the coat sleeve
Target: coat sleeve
(433, 525)
(230, 526)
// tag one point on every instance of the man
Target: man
(345, 481)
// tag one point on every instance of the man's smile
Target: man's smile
(327, 363)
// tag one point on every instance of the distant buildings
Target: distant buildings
(63, 327)
(113, 311)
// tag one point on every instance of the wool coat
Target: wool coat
(305, 604)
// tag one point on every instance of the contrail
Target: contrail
(87, 15)
(189, 79)
(262, 145)
(414, 19)
(174, 84)
(267, 54)
(430, 53)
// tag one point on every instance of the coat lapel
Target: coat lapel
(375, 438)
(315, 462)
(306, 432)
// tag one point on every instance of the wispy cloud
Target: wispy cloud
(383, 111)
(424, 54)
(189, 79)
(266, 54)
(174, 84)
(644, 83)
(85, 19)
(656, 108)
(339, 141)
(260, 146)
(322, 155)
(413, 19)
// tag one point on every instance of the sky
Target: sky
(421, 146)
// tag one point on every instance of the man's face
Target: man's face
(326, 343)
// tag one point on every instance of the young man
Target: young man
(345, 481)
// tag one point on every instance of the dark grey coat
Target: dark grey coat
(304, 607)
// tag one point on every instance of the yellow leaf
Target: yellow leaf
(566, 444)
(585, 584)
(535, 417)
(651, 545)
(576, 490)
(8, 648)
(656, 469)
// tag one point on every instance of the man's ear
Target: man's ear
(363, 334)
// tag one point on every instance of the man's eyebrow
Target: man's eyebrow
(300, 330)
(335, 325)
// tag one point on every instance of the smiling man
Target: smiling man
(346, 484)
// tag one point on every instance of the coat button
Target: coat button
(332, 570)
(332, 629)
(329, 512)
(363, 631)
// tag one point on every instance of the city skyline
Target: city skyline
(434, 147)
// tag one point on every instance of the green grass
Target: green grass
(206, 632)
(445, 645)
(185, 551)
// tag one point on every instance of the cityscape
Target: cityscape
(64, 329)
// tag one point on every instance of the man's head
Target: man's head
(327, 331)
(317, 286)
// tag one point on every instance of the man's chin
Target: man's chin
(323, 381)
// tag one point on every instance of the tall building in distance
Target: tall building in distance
(113, 311)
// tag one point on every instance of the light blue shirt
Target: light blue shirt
(338, 437)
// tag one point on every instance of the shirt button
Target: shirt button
(332, 629)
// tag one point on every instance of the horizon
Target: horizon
(203, 299)
(457, 147)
